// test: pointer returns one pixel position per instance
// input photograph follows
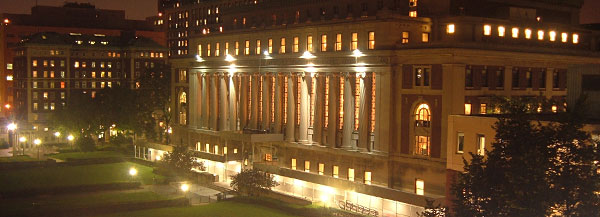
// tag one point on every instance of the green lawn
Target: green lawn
(13, 180)
(19, 158)
(86, 155)
(18, 207)
(220, 209)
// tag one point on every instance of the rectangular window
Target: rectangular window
(468, 77)
(341, 105)
(307, 166)
(338, 42)
(268, 157)
(467, 108)
(425, 37)
(208, 50)
(293, 163)
(419, 187)
(282, 45)
(270, 48)
(226, 48)
(487, 30)
(326, 116)
(555, 80)
(405, 36)
(309, 43)
(460, 143)
(422, 76)
(199, 49)
(412, 13)
(285, 99)
(351, 174)
(501, 31)
(515, 78)
(321, 169)
(480, 144)
(540, 34)
(35, 106)
(543, 79)
(450, 28)
(500, 79)
(217, 49)
(323, 43)
(371, 44)
(354, 43)
(258, 47)
(515, 32)
(247, 47)
(207, 148)
(373, 97)
(336, 172)
(356, 102)
(528, 79)
(237, 48)
(34, 63)
(296, 47)
(34, 74)
(484, 78)
(422, 145)
(483, 108)
(368, 178)
(216, 149)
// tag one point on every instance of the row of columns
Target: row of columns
(230, 102)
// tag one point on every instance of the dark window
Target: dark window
(469, 78)
(555, 79)
(365, 7)
(426, 77)
(422, 76)
(418, 76)
(484, 78)
(529, 80)
(515, 78)
(543, 79)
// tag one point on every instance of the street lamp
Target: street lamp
(184, 188)
(37, 143)
(12, 127)
(132, 172)
(70, 138)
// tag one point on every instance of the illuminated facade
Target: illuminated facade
(49, 66)
(348, 102)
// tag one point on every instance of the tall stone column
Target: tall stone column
(244, 97)
(266, 103)
(192, 101)
(214, 106)
(278, 103)
(364, 125)
(319, 110)
(334, 95)
(304, 107)
(349, 100)
(291, 110)
(233, 103)
(254, 109)
(223, 104)
(205, 106)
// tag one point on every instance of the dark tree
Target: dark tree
(181, 160)
(85, 144)
(153, 103)
(534, 169)
(252, 182)
(432, 210)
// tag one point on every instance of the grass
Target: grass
(19, 158)
(33, 178)
(86, 155)
(77, 201)
(220, 209)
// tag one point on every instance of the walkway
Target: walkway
(198, 195)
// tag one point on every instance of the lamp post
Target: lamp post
(57, 135)
(132, 172)
(12, 127)
(70, 138)
(37, 143)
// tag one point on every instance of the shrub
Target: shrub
(85, 143)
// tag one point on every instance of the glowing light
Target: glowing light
(199, 59)
(575, 38)
(361, 69)
(307, 55)
(132, 171)
(170, 130)
(57, 134)
(528, 33)
(564, 37)
(229, 58)
(501, 31)
(37, 142)
(160, 14)
(552, 35)
(22, 139)
(184, 187)
(487, 30)
(515, 32)
(232, 69)
(11, 126)
(7, 21)
(357, 53)
(9, 77)
(267, 55)
(298, 183)
(311, 68)
(324, 198)
(70, 137)
(540, 35)
(327, 190)
(7, 106)
(450, 29)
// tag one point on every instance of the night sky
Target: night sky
(140, 9)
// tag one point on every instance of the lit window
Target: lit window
(336, 172)
(45, 95)
(412, 3)
(247, 47)
(351, 174)
(552, 35)
(450, 29)
(338, 42)
(216, 149)
(425, 37)
(268, 157)
(354, 43)
(419, 187)
(528, 33)
(226, 48)
(575, 39)
(293, 163)
(270, 45)
(282, 45)
(368, 178)
(371, 40)
(487, 30)
(483, 108)
(296, 47)
(405, 36)
(467, 109)
(235, 151)
(422, 143)
(356, 103)
(309, 43)
(237, 48)
(206, 147)
(341, 104)
(35, 106)
(217, 49)
(258, 47)
(323, 43)
(326, 115)
(540, 34)
(412, 13)
(564, 37)
(480, 145)
(225, 150)
(34, 74)
(460, 143)
(208, 51)
(515, 32)
(554, 109)
(321, 169)
(422, 116)
(307, 166)
(501, 31)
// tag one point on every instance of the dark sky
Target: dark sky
(140, 9)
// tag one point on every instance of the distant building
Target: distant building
(76, 18)
(49, 66)
(584, 81)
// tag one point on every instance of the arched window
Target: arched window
(183, 98)
(423, 116)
